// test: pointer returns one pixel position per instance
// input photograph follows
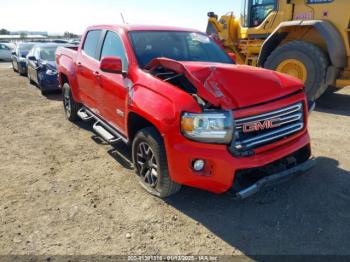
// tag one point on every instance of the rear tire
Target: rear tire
(71, 107)
(308, 57)
(151, 165)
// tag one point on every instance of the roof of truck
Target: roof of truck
(142, 28)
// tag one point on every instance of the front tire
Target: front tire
(22, 71)
(304, 61)
(71, 107)
(151, 166)
(42, 89)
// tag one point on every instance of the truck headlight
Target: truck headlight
(208, 127)
(51, 72)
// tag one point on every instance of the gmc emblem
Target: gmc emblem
(260, 125)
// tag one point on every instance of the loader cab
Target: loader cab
(254, 12)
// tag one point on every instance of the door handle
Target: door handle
(97, 74)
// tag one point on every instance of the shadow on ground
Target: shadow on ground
(120, 152)
(333, 102)
(54, 96)
(307, 215)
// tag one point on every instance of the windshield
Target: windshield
(254, 12)
(25, 47)
(48, 53)
(180, 46)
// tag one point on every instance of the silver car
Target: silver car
(5, 52)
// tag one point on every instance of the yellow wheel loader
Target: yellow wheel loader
(307, 39)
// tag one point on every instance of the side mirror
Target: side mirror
(32, 58)
(111, 65)
(232, 56)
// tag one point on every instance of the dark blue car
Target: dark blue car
(18, 58)
(42, 68)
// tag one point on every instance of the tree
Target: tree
(4, 32)
(70, 35)
(23, 35)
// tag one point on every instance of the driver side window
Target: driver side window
(113, 46)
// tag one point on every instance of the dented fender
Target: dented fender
(156, 107)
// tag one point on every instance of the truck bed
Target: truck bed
(71, 52)
(65, 59)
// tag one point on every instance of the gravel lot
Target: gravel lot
(63, 192)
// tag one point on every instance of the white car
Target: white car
(5, 52)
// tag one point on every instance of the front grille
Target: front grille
(259, 130)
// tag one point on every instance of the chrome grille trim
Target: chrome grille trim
(272, 114)
(273, 135)
(284, 120)
(288, 121)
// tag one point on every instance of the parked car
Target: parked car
(59, 41)
(74, 41)
(19, 61)
(191, 116)
(5, 52)
(42, 69)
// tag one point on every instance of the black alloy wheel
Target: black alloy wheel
(146, 164)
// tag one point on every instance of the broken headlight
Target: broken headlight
(208, 127)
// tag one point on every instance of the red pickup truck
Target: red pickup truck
(191, 116)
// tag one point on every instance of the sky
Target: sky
(75, 15)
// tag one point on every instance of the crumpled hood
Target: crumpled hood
(233, 86)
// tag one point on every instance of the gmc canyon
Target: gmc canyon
(191, 116)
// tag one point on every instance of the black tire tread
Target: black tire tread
(75, 107)
(167, 186)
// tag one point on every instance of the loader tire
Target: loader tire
(302, 60)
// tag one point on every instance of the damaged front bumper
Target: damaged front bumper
(276, 179)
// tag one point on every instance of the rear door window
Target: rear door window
(91, 43)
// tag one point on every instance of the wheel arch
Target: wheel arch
(64, 77)
(333, 40)
(136, 122)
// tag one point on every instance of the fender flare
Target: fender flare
(71, 79)
(140, 99)
(333, 39)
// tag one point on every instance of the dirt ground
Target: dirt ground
(64, 192)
